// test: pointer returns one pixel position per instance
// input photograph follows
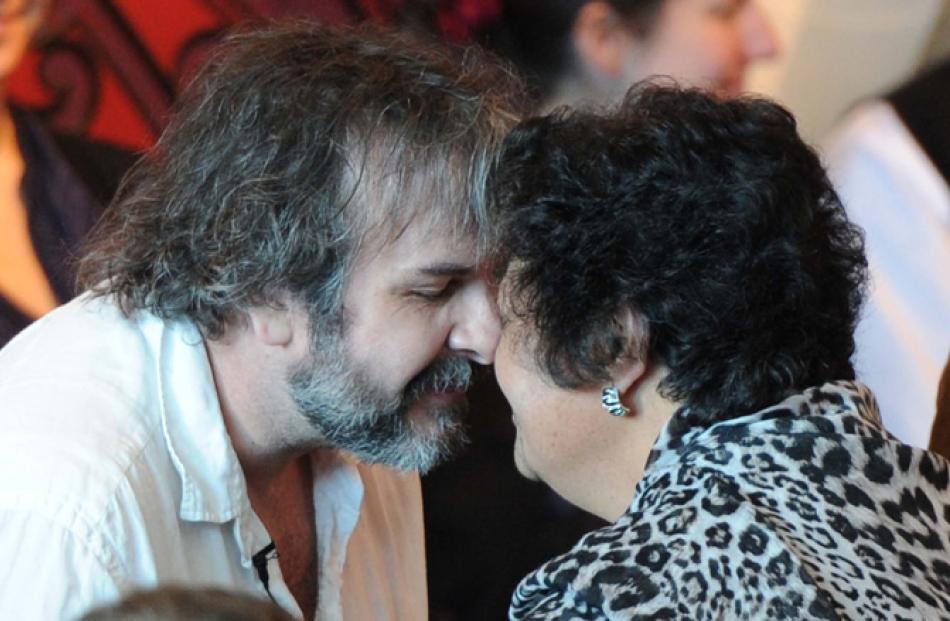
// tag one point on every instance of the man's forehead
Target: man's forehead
(431, 248)
(428, 206)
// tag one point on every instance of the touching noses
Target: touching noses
(758, 37)
(476, 328)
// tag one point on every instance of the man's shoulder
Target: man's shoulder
(82, 361)
(76, 407)
(86, 339)
(90, 484)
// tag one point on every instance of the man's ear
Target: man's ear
(272, 326)
(601, 39)
(628, 370)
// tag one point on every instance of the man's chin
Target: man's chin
(437, 417)
(433, 433)
(438, 426)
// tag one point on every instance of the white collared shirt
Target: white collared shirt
(892, 190)
(117, 473)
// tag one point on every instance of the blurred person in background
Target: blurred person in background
(890, 161)
(571, 52)
(590, 52)
(53, 188)
(940, 437)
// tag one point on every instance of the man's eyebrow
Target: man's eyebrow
(447, 269)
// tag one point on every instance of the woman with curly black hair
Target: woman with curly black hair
(679, 285)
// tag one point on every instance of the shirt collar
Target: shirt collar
(212, 482)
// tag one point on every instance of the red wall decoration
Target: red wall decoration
(110, 69)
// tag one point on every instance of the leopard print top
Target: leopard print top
(806, 510)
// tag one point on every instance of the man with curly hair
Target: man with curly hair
(283, 306)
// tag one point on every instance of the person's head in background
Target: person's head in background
(591, 51)
(185, 604)
(19, 20)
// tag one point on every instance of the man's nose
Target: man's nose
(477, 327)
(758, 37)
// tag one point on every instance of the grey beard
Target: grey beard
(352, 414)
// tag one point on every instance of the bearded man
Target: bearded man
(282, 309)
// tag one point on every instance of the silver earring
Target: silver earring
(610, 400)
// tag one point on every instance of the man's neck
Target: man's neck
(258, 413)
(268, 437)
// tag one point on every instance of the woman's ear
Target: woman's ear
(627, 371)
(601, 39)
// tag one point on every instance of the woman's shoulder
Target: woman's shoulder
(812, 530)
(696, 553)
(630, 567)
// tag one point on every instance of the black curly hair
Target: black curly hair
(710, 220)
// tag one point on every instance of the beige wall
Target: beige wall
(839, 51)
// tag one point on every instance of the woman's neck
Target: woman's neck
(649, 413)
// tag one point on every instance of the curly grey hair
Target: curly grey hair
(293, 144)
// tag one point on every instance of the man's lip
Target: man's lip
(446, 396)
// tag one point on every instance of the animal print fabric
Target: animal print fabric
(806, 510)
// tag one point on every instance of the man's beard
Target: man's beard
(355, 415)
